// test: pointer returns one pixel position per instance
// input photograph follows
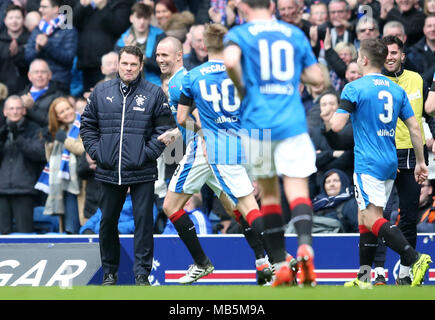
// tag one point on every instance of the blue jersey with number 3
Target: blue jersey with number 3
(375, 104)
(274, 54)
(219, 110)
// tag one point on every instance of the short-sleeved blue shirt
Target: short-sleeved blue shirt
(375, 103)
(174, 89)
(274, 54)
(219, 109)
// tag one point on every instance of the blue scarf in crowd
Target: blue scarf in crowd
(36, 94)
(48, 27)
(43, 183)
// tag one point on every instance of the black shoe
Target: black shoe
(109, 279)
(405, 281)
(380, 280)
(142, 280)
(264, 274)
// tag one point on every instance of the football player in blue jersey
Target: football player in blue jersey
(216, 99)
(267, 59)
(193, 172)
(374, 103)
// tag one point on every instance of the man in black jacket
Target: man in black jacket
(99, 23)
(119, 129)
(13, 67)
(423, 52)
(406, 13)
(22, 157)
(41, 92)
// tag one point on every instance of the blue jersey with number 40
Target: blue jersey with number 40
(219, 110)
(375, 103)
(274, 54)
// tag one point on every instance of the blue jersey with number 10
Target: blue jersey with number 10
(219, 110)
(375, 103)
(274, 54)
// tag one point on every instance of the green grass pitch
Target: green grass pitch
(217, 292)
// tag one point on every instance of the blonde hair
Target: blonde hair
(3, 91)
(213, 37)
(345, 45)
(426, 9)
(179, 22)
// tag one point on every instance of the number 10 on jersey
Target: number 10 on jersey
(276, 60)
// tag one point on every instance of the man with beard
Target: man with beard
(408, 189)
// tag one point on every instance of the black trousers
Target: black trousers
(18, 207)
(112, 200)
(409, 196)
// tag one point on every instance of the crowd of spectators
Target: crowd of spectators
(53, 48)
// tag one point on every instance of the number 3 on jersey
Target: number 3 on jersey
(220, 98)
(387, 115)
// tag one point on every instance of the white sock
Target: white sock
(260, 262)
(379, 271)
(404, 271)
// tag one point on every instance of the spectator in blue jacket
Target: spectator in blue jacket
(145, 36)
(54, 43)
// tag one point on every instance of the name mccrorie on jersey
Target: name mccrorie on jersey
(213, 68)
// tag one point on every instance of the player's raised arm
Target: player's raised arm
(421, 172)
(338, 121)
(232, 56)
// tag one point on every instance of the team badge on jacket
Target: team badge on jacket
(140, 99)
